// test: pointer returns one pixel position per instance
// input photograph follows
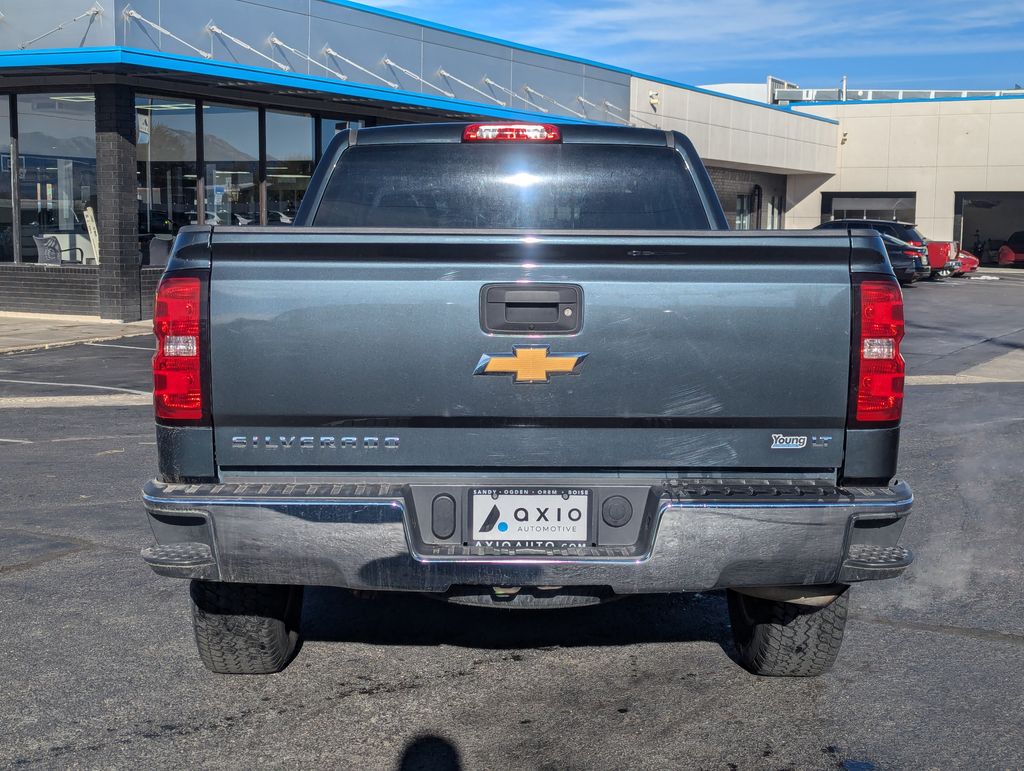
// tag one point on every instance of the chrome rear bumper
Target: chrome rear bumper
(366, 537)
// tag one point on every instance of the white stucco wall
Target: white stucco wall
(933, 149)
(756, 92)
(732, 133)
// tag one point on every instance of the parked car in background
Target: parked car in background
(1012, 252)
(968, 263)
(942, 256)
(212, 217)
(901, 233)
(902, 230)
(909, 262)
(940, 253)
(274, 217)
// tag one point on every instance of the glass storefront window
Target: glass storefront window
(57, 174)
(56, 171)
(743, 210)
(6, 209)
(290, 140)
(166, 168)
(231, 156)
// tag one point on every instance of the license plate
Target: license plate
(530, 517)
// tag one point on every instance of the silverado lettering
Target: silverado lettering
(312, 442)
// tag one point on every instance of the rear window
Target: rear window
(896, 230)
(511, 187)
(911, 234)
(1017, 239)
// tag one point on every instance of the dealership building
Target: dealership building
(123, 121)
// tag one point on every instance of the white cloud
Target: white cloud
(730, 30)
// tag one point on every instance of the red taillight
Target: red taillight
(177, 380)
(911, 253)
(511, 132)
(877, 380)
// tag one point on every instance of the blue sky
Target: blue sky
(893, 44)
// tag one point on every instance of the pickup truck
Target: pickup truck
(525, 366)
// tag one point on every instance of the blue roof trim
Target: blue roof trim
(791, 107)
(564, 57)
(157, 59)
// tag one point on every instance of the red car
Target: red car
(942, 256)
(1012, 252)
(968, 263)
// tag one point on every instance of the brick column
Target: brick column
(117, 204)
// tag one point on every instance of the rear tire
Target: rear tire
(245, 629)
(782, 639)
(945, 272)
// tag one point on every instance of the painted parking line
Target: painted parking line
(1007, 368)
(147, 349)
(921, 380)
(100, 400)
(98, 437)
(50, 346)
(75, 385)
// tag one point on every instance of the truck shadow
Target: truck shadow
(338, 615)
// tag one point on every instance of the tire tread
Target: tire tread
(245, 628)
(780, 639)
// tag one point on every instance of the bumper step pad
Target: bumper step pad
(866, 561)
(181, 560)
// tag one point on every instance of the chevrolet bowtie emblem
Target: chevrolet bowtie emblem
(530, 363)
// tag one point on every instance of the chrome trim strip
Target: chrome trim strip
(513, 561)
(398, 503)
(269, 501)
(794, 505)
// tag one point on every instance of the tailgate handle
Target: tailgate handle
(554, 309)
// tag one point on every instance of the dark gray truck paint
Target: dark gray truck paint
(343, 400)
(682, 371)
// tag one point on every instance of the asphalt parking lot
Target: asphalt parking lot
(98, 666)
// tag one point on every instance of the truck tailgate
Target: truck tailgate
(337, 350)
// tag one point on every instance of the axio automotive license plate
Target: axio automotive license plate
(530, 516)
